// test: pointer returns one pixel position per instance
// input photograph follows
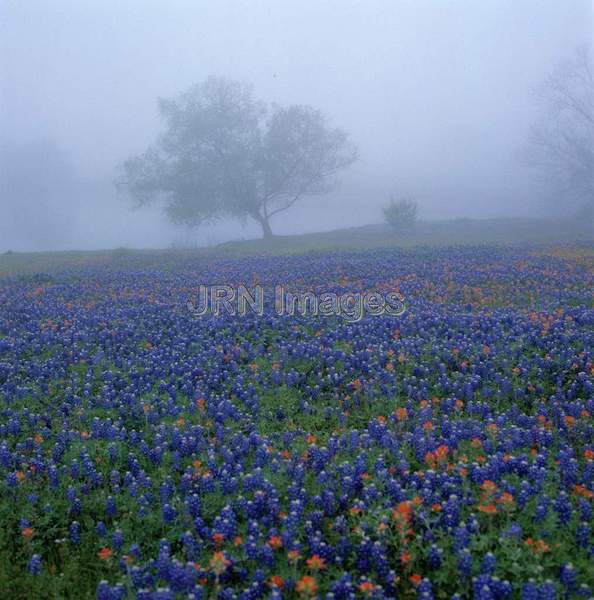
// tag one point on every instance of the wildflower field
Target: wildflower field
(448, 452)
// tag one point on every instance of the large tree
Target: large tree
(225, 154)
(561, 143)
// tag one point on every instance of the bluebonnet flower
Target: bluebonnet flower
(74, 532)
(568, 576)
(465, 563)
(35, 564)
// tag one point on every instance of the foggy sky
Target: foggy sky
(435, 93)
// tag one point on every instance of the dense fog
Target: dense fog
(438, 96)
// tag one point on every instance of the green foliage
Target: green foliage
(223, 153)
(401, 215)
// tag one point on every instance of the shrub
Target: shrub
(401, 215)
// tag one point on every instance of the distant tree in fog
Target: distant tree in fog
(561, 143)
(401, 215)
(223, 153)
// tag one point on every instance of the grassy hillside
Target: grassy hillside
(427, 233)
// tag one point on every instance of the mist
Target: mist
(437, 96)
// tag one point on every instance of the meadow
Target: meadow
(444, 453)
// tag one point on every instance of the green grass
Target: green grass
(464, 232)
(426, 233)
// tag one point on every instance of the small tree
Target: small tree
(225, 154)
(401, 215)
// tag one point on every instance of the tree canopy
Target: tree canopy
(225, 154)
(561, 144)
(401, 215)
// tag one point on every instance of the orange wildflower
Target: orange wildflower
(442, 452)
(402, 512)
(218, 563)
(27, 533)
(276, 581)
(507, 500)
(317, 563)
(275, 542)
(488, 486)
(401, 414)
(488, 509)
(538, 546)
(366, 587)
(582, 490)
(104, 553)
(307, 586)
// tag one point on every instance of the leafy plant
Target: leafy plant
(401, 215)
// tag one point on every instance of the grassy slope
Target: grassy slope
(428, 233)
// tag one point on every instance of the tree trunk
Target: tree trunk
(266, 231)
(264, 223)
